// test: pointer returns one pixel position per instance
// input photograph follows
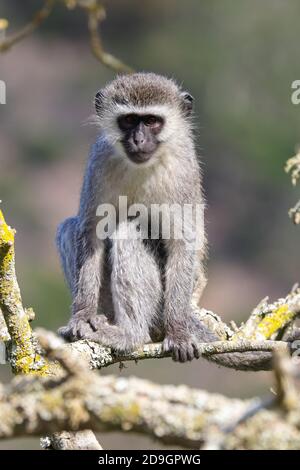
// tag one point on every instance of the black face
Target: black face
(140, 135)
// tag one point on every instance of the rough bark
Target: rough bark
(80, 440)
(174, 415)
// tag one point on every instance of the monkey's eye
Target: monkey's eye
(155, 122)
(128, 121)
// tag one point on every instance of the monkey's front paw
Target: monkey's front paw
(81, 325)
(183, 348)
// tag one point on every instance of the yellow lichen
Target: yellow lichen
(199, 422)
(134, 411)
(275, 321)
(23, 356)
(6, 232)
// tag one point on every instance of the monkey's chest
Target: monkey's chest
(139, 189)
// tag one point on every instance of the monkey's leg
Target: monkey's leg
(82, 267)
(136, 291)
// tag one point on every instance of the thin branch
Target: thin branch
(95, 15)
(99, 356)
(94, 19)
(39, 17)
(268, 320)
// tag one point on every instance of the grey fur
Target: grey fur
(129, 292)
(140, 89)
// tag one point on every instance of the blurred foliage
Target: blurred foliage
(41, 149)
(46, 294)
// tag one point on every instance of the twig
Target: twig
(94, 19)
(100, 356)
(268, 320)
(39, 17)
(95, 15)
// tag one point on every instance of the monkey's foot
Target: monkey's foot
(81, 325)
(182, 349)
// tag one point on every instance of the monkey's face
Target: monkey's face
(144, 117)
(140, 135)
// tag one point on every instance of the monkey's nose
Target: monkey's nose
(139, 137)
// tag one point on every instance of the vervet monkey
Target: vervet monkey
(127, 290)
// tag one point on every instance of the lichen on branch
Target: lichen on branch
(175, 415)
(23, 352)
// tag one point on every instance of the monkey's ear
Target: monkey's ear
(187, 103)
(98, 101)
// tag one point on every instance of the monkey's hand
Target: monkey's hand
(81, 325)
(182, 344)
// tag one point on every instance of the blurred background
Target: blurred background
(238, 59)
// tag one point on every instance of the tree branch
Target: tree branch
(95, 15)
(179, 415)
(23, 351)
(80, 440)
(99, 356)
(39, 17)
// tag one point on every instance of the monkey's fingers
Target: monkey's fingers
(64, 332)
(186, 352)
(76, 329)
(181, 351)
(97, 321)
(196, 351)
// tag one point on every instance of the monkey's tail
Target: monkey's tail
(248, 360)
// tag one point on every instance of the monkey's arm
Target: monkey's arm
(179, 274)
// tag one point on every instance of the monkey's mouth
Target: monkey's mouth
(139, 157)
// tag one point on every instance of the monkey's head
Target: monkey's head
(142, 113)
